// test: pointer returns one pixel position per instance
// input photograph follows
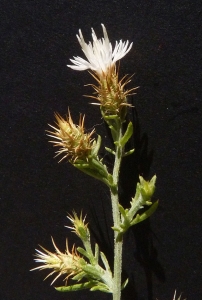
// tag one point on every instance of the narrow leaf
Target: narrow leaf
(129, 152)
(79, 276)
(109, 150)
(93, 271)
(97, 147)
(100, 288)
(97, 252)
(105, 261)
(74, 287)
(145, 215)
(84, 252)
(124, 284)
(116, 229)
(127, 134)
(122, 210)
(94, 173)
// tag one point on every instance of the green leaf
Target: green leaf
(109, 150)
(93, 271)
(74, 287)
(127, 134)
(84, 252)
(113, 132)
(122, 210)
(97, 252)
(95, 171)
(124, 284)
(110, 117)
(116, 229)
(97, 147)
(129, 152)
(105, 262)
(146, 214)
(79, 276)
(100, 288)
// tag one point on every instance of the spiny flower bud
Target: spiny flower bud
(111, 93)
(74, 143)
(79, 227)
(67, 263)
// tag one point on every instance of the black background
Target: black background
(38, 39)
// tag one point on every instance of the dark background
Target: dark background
(38, 38)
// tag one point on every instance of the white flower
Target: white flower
(99, 53)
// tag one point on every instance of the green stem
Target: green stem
(118, 244)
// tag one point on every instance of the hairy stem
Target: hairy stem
(118, 244)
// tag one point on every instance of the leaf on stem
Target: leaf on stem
(145, 215)
(124, 284)
(75, 287)
(127, 135)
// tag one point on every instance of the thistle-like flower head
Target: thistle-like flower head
(111, 94)
(101, 58)
(62, 263)
(101, 61)
(74, 143)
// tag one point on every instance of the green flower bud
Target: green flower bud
(79, 227)
(147, 188)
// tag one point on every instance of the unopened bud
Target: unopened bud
(79, 227)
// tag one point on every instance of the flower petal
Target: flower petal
(99, 53)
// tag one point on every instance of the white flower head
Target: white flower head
(100, 55)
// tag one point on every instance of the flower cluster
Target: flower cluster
(74, 143)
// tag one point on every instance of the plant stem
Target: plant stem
(118, 244)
